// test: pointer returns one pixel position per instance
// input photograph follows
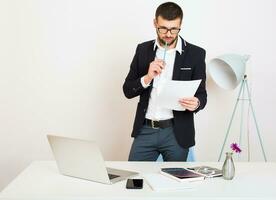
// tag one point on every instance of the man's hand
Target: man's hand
(155, 69)
(190, 103)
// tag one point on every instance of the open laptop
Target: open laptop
(83, 159)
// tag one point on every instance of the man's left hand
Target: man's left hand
(189, 103)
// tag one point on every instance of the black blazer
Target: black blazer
(192, 57)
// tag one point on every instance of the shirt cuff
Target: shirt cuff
(143, 82)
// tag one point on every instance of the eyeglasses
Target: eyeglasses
(165, 30)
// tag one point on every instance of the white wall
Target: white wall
(63, 63)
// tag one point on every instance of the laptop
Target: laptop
(83, 159)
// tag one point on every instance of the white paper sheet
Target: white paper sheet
(171, 91)
(158, 182)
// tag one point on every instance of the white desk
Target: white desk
(41, 180)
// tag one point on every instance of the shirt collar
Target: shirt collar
(177, 48)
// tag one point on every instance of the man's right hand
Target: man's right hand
(155, 69)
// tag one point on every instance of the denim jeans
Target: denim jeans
(150, 143)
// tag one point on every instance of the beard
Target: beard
(163, 42)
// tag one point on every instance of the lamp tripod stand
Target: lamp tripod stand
(244, 86)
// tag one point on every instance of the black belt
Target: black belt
(159, 124)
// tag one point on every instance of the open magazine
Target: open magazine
(191, 173)
(208, 172)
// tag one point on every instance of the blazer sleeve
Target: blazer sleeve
(132, 86)
(200, 73)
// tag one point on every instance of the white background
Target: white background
(63, 63)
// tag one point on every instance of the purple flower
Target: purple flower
(235, 148)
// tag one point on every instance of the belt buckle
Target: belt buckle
(152, 125)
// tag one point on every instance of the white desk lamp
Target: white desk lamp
(228, 71)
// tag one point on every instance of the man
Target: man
(158, 130)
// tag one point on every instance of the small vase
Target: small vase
(228, 168)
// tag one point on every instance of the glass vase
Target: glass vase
(228, 168)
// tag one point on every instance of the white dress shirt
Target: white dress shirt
(155, 112)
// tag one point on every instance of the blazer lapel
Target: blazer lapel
(179, 60)
(151, 57)
(152, 52)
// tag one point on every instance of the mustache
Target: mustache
(166, 38)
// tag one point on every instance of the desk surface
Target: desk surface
(41, 180)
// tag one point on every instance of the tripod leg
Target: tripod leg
(255, 120)
(242, 111)
(231, 120)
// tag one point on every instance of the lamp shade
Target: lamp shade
(228, 70)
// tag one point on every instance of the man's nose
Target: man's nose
(169, 33)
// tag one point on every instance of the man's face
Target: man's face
(167, 30)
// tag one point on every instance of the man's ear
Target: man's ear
(155, 23)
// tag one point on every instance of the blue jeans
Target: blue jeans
(150, 143)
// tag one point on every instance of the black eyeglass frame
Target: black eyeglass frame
(166, 30)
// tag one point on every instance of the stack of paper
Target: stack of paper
(172, 91)
(158, 182)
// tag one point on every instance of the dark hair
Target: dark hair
(169, 11)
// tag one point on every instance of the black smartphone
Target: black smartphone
(134, 184)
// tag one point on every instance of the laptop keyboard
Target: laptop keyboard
(112, 176)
